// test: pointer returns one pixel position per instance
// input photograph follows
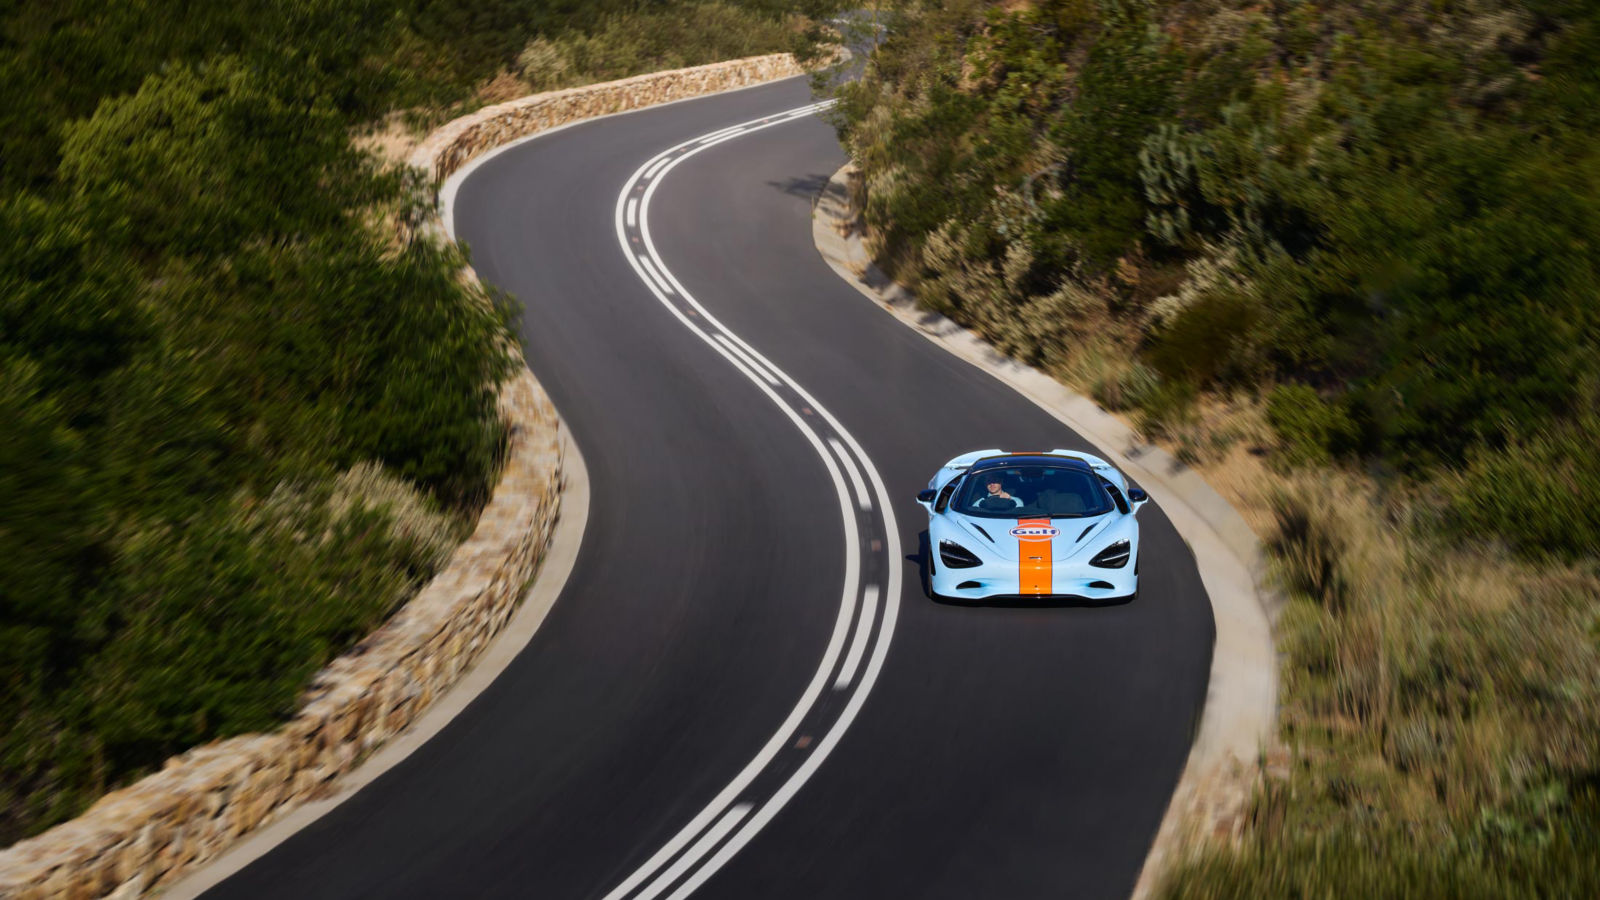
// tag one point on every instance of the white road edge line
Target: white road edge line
(852, 559)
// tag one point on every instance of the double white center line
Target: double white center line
(872, 565)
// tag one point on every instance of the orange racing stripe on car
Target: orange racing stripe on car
(1033, 557)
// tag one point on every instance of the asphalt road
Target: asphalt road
(1004, 753)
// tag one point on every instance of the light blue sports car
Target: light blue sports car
(1055, 524)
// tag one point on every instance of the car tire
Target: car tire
(927, 577)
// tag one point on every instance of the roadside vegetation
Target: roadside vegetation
(242, 420)
(1344, 260)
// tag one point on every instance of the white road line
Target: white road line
(880, 652)
(766, 376)
(654, 275)
(724, 132)
(633, 212)
(863, 502)
(743, 365)
(852, 660)
(660, 164)
(780, 738)
(700, 848)
(808, 768)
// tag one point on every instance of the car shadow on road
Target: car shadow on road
(924, 551)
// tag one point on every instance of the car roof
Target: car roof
(1010, 460)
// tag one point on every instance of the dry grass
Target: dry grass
(1438, 681)
(391, 140)
(1441, 702)
(505, 85)
(368, 485)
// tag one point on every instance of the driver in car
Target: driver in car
(998, 499)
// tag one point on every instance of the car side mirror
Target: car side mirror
(925, 497)
(1138, 497)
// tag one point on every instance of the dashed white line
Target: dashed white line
(633, 212)
(766, 376)
(852, 660)
(659, 165)
(734, 129)
(863, 502)
(706, 844)
(655, 276)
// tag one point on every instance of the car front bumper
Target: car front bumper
(1002, 581)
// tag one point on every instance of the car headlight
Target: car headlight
(955, 556)
(1114, 556)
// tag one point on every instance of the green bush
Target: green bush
(1541, 493)
(1209, 341)
(198, 161)
(1168, 408)
(207, 629)
(637, 41)
(1312, 430)
(1118, 389)
(1124, 91)
(240, 608)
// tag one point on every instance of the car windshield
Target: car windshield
(1032, 491)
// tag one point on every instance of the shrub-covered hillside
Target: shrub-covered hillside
(1394, 204)
(1346, 258)
(239, 421)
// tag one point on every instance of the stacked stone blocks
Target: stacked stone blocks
(455, 144)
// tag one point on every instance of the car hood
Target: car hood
(1066, 537)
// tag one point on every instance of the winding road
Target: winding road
(742, 691)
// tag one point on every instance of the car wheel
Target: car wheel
(927, 577)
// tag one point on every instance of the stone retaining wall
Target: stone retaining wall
(453, 145)
(203, 800)
(200, 803)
